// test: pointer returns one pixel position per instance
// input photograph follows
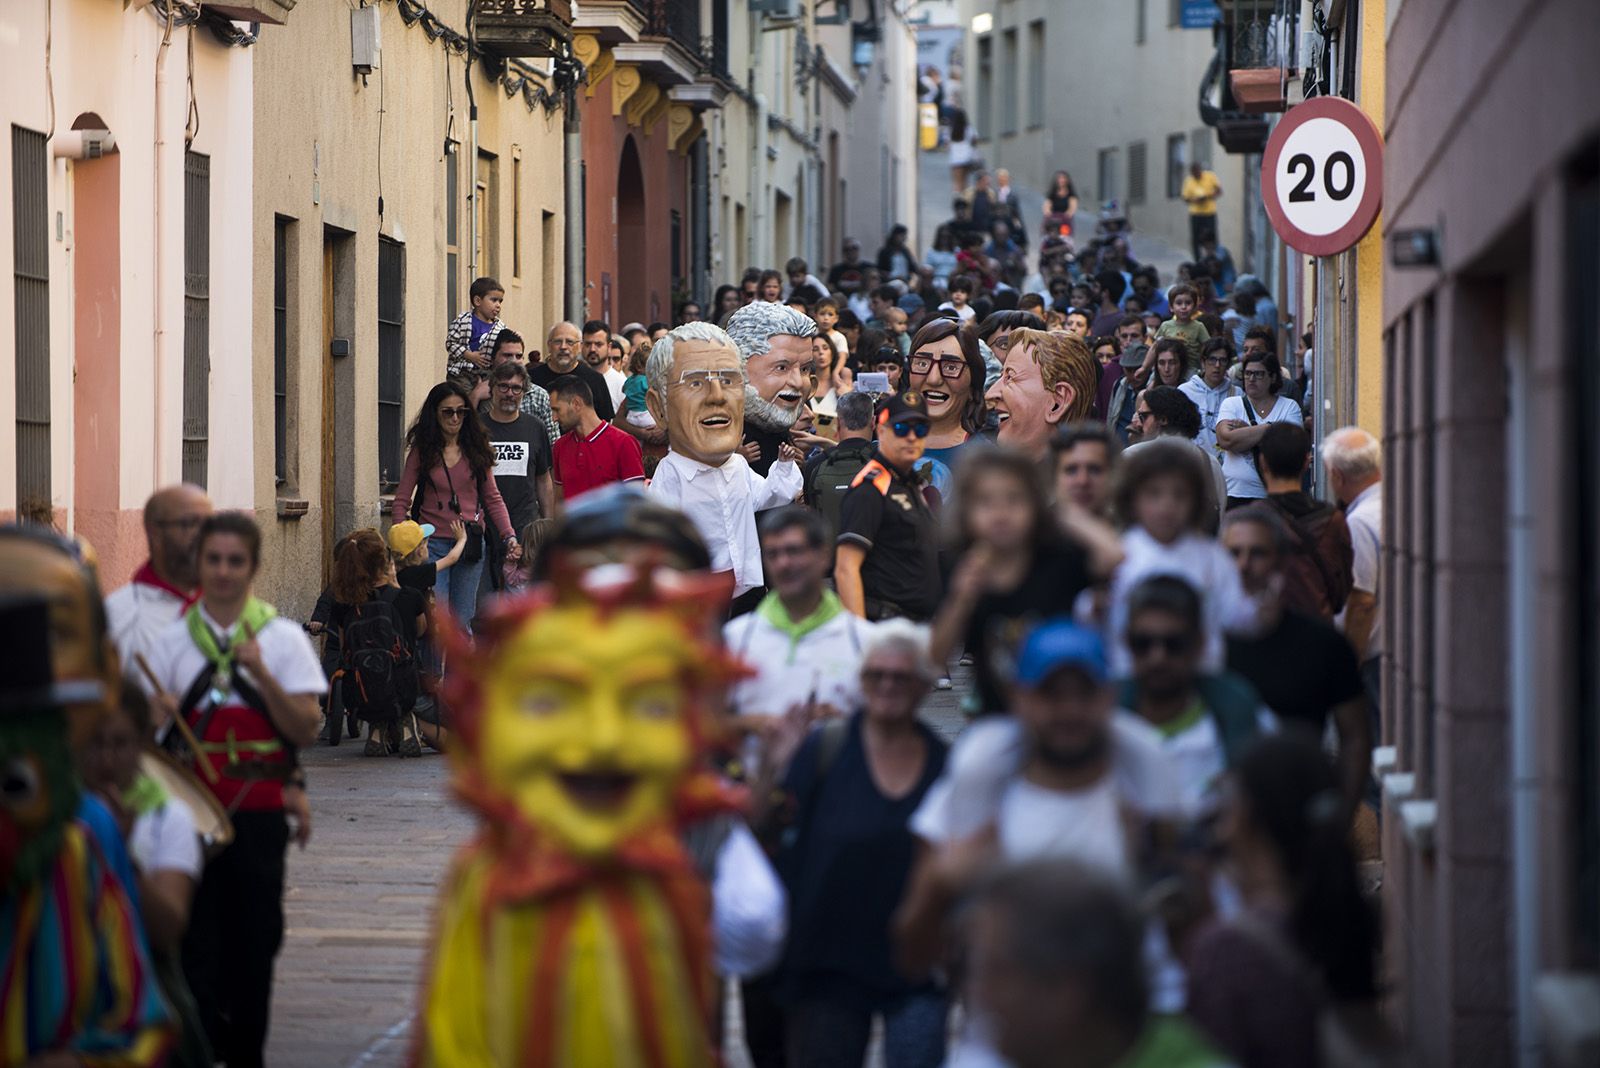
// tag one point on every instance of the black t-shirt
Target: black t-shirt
(543, 375)
(1058, 205)
(846, 870)
(419, 577)
(846, 277)
(521, 454)
(885, 514)
(1303, 668)
(1000, 620)
(769, 440)
(408, 605)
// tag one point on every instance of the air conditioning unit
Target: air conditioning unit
(366, 42)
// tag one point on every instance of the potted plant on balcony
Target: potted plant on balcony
(1256, 74)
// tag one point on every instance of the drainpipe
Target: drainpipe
(572, 138)
(158, 250)
(758, 192)
(1525, 828)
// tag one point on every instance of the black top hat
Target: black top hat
(27, 679)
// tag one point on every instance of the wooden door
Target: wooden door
(329, 426)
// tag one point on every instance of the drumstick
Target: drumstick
(178, 721)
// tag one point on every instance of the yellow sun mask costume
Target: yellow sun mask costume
(574, 931)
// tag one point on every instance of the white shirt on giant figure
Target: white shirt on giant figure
(722, 502)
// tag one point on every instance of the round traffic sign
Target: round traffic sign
(1322, 176)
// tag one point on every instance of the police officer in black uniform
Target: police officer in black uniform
(887, 561)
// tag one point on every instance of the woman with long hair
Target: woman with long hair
(1261, 984)
(1060, 202)
(449, 475)
(724, 303)
(364, 589)
(1014, 567)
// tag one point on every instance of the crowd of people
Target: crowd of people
(1084, 505)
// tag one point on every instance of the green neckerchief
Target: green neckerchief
(771, 609)
(1182, 722)
(257, 614)
(144, 796)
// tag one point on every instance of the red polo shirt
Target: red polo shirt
(580, 464)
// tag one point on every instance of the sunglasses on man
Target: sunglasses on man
(902, 430)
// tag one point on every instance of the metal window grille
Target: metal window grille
(391, 360)
(280, 349)
(196, 316)
(1137, 153)
(30, 212)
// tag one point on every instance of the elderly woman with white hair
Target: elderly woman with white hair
(775, 350)
(697, 393)
(846, 856)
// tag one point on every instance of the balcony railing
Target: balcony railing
(677, 21)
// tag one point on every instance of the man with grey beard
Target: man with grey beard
(774, 344)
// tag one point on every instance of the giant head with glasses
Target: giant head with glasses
(697, 391)
(947, 370)
(773, 343)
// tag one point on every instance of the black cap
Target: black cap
(27, 679)
(901, 407)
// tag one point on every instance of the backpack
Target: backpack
(1317, 573)
(831, 480)
(377, 670)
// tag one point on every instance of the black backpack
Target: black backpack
(376, 668)
(831, 479)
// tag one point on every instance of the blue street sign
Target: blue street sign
(1200, 14)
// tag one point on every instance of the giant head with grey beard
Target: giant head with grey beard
(775, 348)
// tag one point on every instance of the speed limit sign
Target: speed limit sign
(1322, 176)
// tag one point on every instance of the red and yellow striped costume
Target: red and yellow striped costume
(564, 939)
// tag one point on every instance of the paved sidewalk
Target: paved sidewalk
(360, 903)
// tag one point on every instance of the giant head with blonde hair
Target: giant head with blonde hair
(1049, 380)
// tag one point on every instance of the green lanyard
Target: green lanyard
(256, 615)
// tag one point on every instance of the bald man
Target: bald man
(165, 585)
(562, 357)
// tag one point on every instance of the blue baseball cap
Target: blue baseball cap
(1056, 644)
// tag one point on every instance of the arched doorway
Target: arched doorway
(632, 255)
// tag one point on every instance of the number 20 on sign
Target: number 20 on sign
(1322, 176)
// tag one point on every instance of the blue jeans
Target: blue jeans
(825, 1034)
(456, 588)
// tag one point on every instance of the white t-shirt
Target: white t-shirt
(1239, 469)
(136, 616)
(1365, 519)
(165, 839)
(981, 782)
(1206, 566)
(285, 650)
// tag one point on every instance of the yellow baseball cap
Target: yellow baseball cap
(405, 537)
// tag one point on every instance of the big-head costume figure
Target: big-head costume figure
(574, 929)
(1048, 381)
(76, 981)
(774, 343)
(698, 393)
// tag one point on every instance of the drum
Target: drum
(210, 817)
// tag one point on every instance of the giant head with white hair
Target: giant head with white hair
(774, 344)
(697, 392)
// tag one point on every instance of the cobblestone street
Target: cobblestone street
(360, 902)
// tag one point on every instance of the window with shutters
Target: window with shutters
(280, 348)
(1107, 174)
(1036, 64)
(30, 213)
(1010, 62)
(1136, 172)
(1141, 21)
(1177, 153)
(391, 361)
(1200, 146)
(196, 316)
